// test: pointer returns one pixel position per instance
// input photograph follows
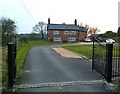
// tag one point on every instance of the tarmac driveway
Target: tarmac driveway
(44, 65)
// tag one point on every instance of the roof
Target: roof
(83, 29)
(65, 27)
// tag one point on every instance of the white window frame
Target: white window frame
(72, 32)
(55, 32)
(72, 38)
(57, 38)
(66, 32)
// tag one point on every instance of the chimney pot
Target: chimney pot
(48, 20)
(75, 22)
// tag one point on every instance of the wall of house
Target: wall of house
(82, 35)
(64, 37)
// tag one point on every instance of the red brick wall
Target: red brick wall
(82, 35)
(64, 37)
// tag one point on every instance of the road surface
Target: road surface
(44, 65)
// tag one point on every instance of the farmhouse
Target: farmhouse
(65, 32)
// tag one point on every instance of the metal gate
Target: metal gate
(116, 64)
(99, 58)
(106, 61)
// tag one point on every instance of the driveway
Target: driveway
(44, 65)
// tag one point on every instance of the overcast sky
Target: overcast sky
(99, 13)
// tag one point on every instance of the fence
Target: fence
(106, 61)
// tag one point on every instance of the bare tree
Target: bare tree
(87, 26)
(92, 30)
(40, 28)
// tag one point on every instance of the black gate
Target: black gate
(116, 64)
(106, 60)
(11, 64)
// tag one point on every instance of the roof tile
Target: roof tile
(65, 27)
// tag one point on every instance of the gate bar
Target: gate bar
(109, 51)
(93, 52)
(10, 65)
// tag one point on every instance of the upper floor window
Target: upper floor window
(69, 32)
(72, 32)
(55, 32)
(66, 32)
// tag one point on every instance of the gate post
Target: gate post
(10, 65)
(109, 50)
(93, 53)
(15, 65)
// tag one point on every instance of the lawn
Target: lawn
(81, 49)
(87, 50)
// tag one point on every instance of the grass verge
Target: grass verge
(81, 49)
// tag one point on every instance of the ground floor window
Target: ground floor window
(57, 38)
(72, 38)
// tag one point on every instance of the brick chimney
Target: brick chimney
(75, 22)
(48, 20)
(63, 23)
